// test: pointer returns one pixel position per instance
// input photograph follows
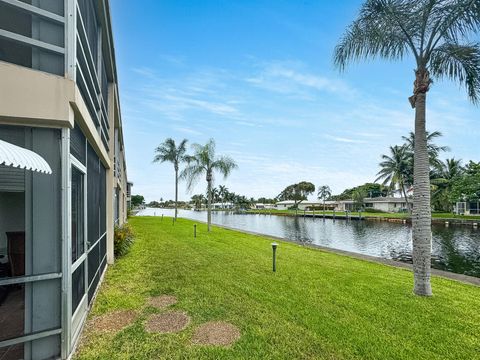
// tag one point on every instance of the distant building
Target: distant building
(385, 204)
(223, 206)
(467, 208)
(262, 206)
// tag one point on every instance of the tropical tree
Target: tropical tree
(137, 200)
(467, 186)
(170, 152)
(446, 174)
(204, 161)
(395, 170)
(433, 149)
(324, 192)
(358, 198)
(198, 201)
(222, 193)
(436, 33)
(297, 192)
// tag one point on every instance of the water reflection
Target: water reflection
(454, 248)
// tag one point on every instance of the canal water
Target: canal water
(455, 248)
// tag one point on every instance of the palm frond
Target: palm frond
(459, 63)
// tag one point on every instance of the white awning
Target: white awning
(16, 156)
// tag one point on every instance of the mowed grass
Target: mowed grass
(318, 305)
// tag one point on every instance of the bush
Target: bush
(372, 210)
(122, 240)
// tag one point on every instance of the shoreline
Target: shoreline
(467, 279)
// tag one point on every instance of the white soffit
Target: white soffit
(16, 156)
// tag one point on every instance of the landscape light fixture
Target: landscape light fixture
(274, 248)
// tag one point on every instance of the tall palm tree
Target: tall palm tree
(395, 170)
(204, 161)
(435, 33)
(169, 151)
(324, 192)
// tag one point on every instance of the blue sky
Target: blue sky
(258, 77)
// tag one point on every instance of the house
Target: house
(306, 205)
(60, 114)
(262, 206)
(224, 205)
(385, 204)
(467, 208)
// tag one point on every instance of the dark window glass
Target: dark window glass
(77, 214)
(78, 286)
(12, 311)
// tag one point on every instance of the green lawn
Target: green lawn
(318, 305)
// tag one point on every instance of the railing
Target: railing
(91, 78)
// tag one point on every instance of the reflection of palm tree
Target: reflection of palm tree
(436, 33)
(204, 161)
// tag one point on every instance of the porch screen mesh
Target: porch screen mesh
(77, 144)
(96, 213)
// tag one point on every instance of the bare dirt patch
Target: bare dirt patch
(217, 333)
(162, 301)
(112, 322)
(169, 322)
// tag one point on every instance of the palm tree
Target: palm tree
(395, 170)
(205, 162)
(436, 33)
(222, 192)
(168, 151)
(433, 149)
(324, 192)
(446, 173)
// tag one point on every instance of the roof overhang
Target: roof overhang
(16, 156)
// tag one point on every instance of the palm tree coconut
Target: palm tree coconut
(436, 33)
(395, 170)
(205, 162)
(324, 192)
(168, 151)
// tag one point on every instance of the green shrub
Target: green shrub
(122, 240)
(372, 210)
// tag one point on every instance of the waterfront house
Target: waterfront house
(223, 206)
(59, 101)
(384, 204)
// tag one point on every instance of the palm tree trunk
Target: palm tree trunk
(176, 193)
(421, 219)
(209, 202)
(405, 196)
(324, 208)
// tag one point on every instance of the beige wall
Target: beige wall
(32, 97)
